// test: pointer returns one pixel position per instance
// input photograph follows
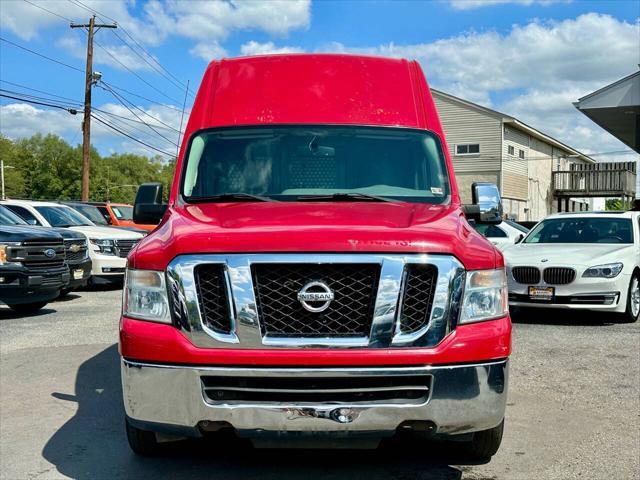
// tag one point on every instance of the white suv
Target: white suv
(108, 247)
(579, 261)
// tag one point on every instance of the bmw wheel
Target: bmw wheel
(633, 300)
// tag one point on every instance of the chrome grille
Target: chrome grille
(123, 247)
(32, 254)
(282, 314)
(420, 287)
(213, 299)
(80, 252)
(526, 275)
(559, 275)
(409, 389)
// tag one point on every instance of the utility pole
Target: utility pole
(92, 28)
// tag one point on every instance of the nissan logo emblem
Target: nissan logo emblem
(49, 253)
(315, 296)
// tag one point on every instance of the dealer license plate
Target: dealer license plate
(541, 293)
(78, 274)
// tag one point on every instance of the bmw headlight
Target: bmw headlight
(609, 270)
(106, 247)
(145, 296)
(485, 296)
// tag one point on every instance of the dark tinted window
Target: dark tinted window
(7, 217)
(25, 214)
(582, 230)
(287, 162)
(63, 216)
(491, 231)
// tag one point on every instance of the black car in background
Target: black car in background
(75, 245)
(33, 269)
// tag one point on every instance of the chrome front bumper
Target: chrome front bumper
(170, 399)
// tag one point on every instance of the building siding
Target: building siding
(515, 171)
(464, 124)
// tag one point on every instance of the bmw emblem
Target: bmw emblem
(544, 260)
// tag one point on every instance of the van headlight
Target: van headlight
(145, 296)
(609, 270)
(485, 296)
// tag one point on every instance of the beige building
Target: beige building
(487, 145)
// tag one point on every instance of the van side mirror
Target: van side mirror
(487, 204)
(148, 207)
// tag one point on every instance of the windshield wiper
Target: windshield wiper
(238, 197)
(345, 197)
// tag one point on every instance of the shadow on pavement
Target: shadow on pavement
(557, 316)
(7, 314)
(92, 445)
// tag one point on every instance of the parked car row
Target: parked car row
(48, 249)
(586, 260)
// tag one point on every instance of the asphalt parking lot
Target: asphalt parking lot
(573, 410)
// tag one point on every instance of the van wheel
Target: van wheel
(142, 442)
(485, 443)
(27, 308)
(633, 301)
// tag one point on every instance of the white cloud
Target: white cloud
(255, 48)
(208, 51)
(542, 67)
(18, 120)
(471, 4)
(208, 22)
(119, 57)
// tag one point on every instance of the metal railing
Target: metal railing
(607, 182)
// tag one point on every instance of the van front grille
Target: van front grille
(349, 314)
(213, 298)
(420, 287)
(409, 389)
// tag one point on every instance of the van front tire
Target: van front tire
(142, 442)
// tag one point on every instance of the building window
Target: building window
(521, 154)
(468, 149)
(511, 150)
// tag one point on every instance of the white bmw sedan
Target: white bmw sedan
(579, 261)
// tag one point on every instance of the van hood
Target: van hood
(105, 233)
(340, 227)
(564, 254)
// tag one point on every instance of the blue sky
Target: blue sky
(527, 58)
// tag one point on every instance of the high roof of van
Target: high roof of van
(314, 89)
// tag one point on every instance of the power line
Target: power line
(121, 99)
(128, 119)
(134, 73)
(130, 136)
(41, 55)
(27, 96)
(156, 102)
(72, 111)
(48, 11)
(124, 30)
(73, 101)
(138, 117)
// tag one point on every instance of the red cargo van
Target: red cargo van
(314, 275)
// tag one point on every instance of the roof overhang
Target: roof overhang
(616, 108)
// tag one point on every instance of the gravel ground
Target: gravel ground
(573, 411)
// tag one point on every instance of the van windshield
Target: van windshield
(292, 163)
